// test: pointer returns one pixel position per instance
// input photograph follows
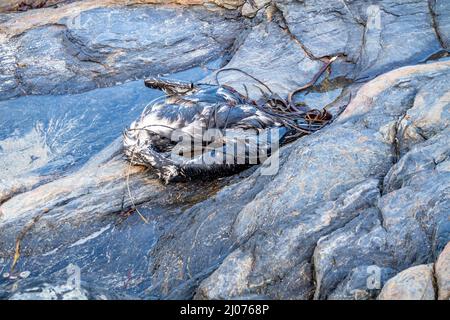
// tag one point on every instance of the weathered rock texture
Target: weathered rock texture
(350, 208)
(442, 274)
(415, 283)
(423, 282)
(362, 220)
(103, 46)
(23, 5)
(375, 35)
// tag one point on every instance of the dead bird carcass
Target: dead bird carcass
(208, 131)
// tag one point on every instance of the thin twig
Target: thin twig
(243, 72)
(129, 190)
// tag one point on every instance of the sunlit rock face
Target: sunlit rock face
(368, 210)
(23, 5)
(104, 46)
(349, 208)
(375, 35)
(422, 282)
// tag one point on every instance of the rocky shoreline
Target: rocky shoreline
(358, 210)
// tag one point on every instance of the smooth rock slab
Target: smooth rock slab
(46, 136)
(83, 219)
(66, 198)
(267, 48)
(377, 36)
(254, 216)
(22, 5)
(442, 274)
(272, 56)
(415, 283)
(103, 46)
(410, 224)
(248, 221)
(370, 190)
(251, 269)
(324, 27)
(49, 136)
(441, 8)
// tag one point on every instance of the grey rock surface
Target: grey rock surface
(65, 194)
(442, 274)
(250, 9)
(442, 20)
(105, 46)
(83, 219)
(422, 282)
(23, 5)
(415, 283)
(48, 142)
(375, 35)
(362, 283)
(280, 53)
(348, 208)
(262, 237)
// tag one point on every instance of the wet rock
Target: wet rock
(49, 292)
(104, 46)
(280, 53)
(415, 283)
(69, 290)
(377, 36)
(56, 224)
(8, 78)
(295, 67)
(291, 243)
(23, 5)
(362, 283)
(343, 211)
(413, 211)
(41, 134)
(248, 220)
(315, 23)
(442, 274)
(57, 171)
(439, 10)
